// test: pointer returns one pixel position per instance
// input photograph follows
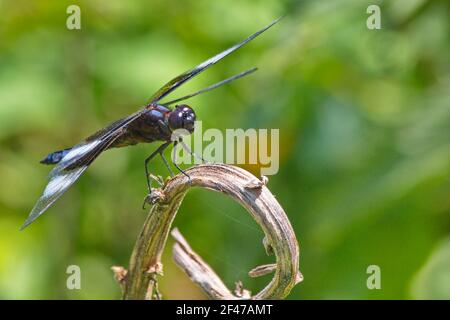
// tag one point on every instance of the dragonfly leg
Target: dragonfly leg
(174, 160)
(192, 153)
(166, 130)
(150, 157)
(166, 163)
(147, 174)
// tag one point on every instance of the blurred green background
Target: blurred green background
(364, 119)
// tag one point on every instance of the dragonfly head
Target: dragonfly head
(182, 117)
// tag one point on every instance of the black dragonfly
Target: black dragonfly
(154, 122)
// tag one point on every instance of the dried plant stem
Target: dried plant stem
(253, 195)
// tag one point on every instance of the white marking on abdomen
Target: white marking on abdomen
(77, 151)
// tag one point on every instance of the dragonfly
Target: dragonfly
(155, 121)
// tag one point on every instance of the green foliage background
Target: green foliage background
(364, 119)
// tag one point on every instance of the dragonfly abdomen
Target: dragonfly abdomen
(55, 157)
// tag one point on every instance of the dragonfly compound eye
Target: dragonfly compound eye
(183, 117)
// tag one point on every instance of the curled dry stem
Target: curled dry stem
(145, 264)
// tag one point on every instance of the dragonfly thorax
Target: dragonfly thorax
(182, 117)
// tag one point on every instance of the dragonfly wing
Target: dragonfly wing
(74, 163)
(211, 87)
(94, 144)
(55, 188)
(179, 80)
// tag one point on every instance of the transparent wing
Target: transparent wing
(211, 87)
(55, 188)
(74, 163)
(81, 153)
(179, 80)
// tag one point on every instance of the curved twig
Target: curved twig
(252, 194)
